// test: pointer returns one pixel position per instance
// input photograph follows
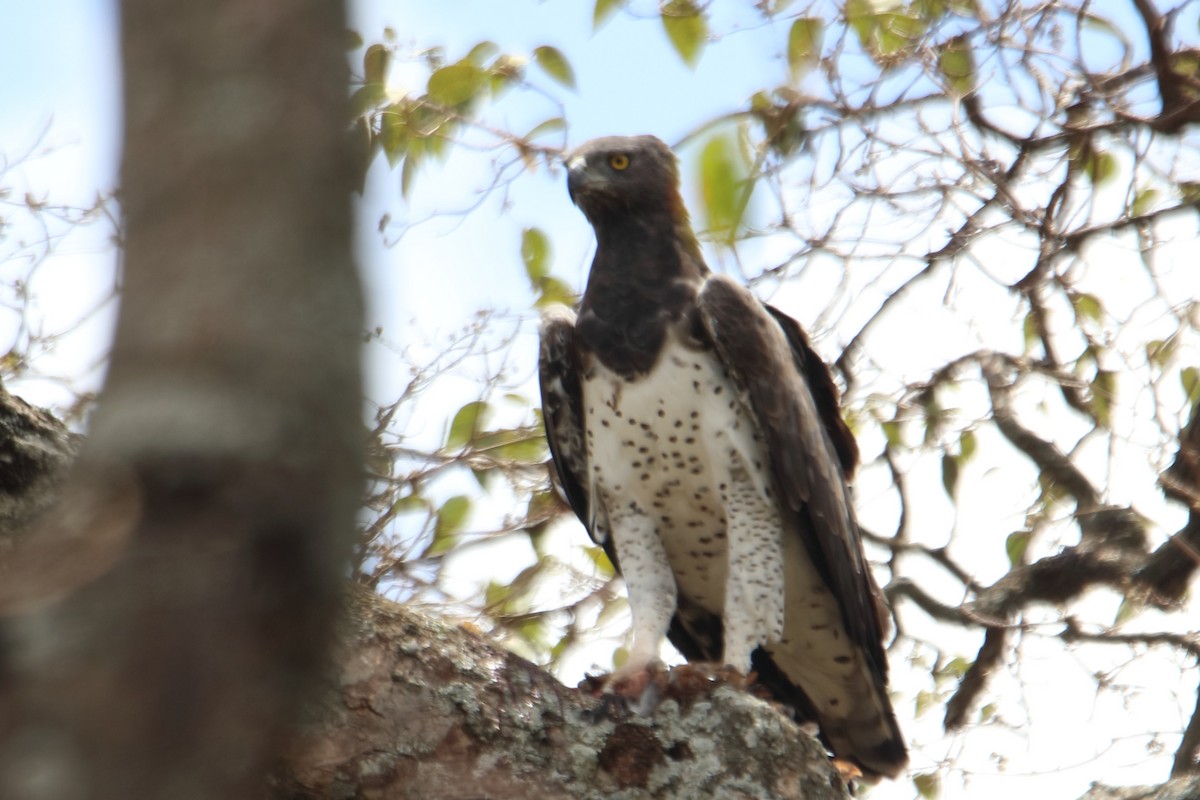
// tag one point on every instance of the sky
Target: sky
(60, 97)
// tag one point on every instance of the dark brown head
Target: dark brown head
(617, 176)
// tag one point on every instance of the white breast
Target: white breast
(678, 449)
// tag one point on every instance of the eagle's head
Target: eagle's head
(615, 175)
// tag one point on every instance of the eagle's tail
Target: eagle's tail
(865, 732)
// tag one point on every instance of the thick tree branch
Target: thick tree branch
(416, 707)
(1045, 455)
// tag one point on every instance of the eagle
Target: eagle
(695, 433)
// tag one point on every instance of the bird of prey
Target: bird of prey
(696, 434)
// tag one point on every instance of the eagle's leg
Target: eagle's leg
(754, 585)
(649, 582)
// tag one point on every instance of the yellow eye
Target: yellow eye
(618, 161)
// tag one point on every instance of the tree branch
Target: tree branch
(416, 706)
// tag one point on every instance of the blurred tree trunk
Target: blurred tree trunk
(162, 624)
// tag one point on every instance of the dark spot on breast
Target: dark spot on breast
(842, 659)
(672, 438)
(662, 413)
(718, 389)
(690, 440)
(833, 701)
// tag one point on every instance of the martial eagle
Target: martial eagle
(696, 434)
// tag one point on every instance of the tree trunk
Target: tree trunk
(164, 621)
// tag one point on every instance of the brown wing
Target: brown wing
(562, 407)
(824, 392)
(791, 403)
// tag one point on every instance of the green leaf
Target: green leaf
(466, 424)
(604, 567)
(955, 668)
(1104, 391)
(925, 700)
(950, 474)
(1189, 378)
(1126, 611)
(551, 291)
(555, 64)
(1159, 351)
(957, 65)
(552, 125)
(1144, 200)
(535, 252)
(603, 10)
(375, 64)
(687, 29)
(620, 657)
(413, 502)
(1015, 546)
(966, 445)
(455, 84)
(892, 432)
(722, 187)
(495, 595)
(366, 99)
(453, 513)
(1100, 167)
(804, 43)
(519, 445)
(860, 15)
(450, 518)
(393, 133)
(928, 784)
(481, 52)
(1087, 306)
(1029, 331)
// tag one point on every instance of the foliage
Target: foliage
(974, 207)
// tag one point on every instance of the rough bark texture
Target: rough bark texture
(423, 710)
(161, 624)
(1187, 788)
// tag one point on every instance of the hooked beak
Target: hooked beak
(577, 177)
